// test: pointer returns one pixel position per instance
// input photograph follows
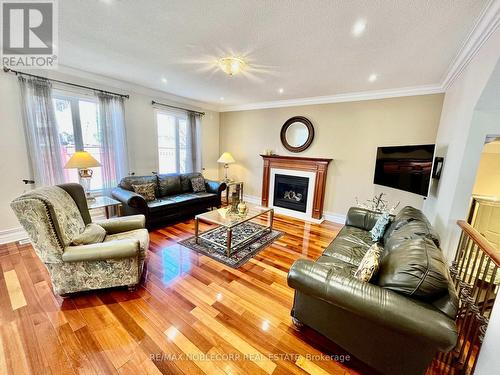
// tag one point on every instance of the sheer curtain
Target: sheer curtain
(193, 142)
(111, 125)
(40, 128)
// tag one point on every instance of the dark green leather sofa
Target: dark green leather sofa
(175, 198)
(397, 322)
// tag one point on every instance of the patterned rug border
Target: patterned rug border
(192, 246)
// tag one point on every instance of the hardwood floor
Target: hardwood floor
(191, 315)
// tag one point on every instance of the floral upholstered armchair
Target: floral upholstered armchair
(53, 216)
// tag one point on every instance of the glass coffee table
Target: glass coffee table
(223, 217)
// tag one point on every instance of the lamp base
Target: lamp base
(85, 176)
(226, 179)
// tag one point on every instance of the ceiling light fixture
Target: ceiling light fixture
(280, 90)
(164, 80)
(231, 65)
(359, 27)
(372, 77)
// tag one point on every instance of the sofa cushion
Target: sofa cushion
(378, 230)
(369, 265)
(142, 235)
(93, 233)
(186, 181)
(148, 191)
(198, 184)
(350, 245)
(127, 182)
(169, 184)
(411, 230)
(408, 215)
(417, 269)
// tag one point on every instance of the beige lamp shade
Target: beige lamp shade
(82, 160)
(226, 158)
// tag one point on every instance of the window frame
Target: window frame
(178, 117)
(74, 101)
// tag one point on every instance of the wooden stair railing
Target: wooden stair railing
(474, 272)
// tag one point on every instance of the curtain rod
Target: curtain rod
(8, 70)
(173, 106)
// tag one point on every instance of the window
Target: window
(77, 122)
(174, 144)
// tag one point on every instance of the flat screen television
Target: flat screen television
(405, 167)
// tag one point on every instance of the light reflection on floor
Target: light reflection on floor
(175, 262)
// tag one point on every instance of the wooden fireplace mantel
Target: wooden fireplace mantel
(317, 165)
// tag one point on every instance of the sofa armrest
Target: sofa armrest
(123, 223)
(129, 198)
(215, 187)
(118, 249)
(379, 305)
(362, 218)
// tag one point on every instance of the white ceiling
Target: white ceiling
(303, 46)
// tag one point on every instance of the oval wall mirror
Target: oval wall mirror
(297, 134)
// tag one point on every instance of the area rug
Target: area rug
(242, 254)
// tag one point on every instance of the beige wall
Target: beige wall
(349, 133)
(488, 172)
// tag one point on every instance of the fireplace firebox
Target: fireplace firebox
(291, 192)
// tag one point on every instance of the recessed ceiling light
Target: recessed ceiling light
(232, 65)
(280, 90)
(359, 27)
(221, 98)
(372, 77)
(164, 80)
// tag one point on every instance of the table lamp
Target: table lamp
(83, 161)
(227, 159)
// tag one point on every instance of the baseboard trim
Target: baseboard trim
(252, 199)
(330, 216)
(12, 235)
(333, 217)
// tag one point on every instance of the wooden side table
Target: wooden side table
(104, 202)
(238, 186)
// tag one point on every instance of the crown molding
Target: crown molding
(340, 98)
(485, 25)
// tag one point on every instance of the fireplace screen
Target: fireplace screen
(291, 192)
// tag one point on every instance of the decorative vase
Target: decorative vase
(242, 207)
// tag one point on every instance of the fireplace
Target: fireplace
(312, 169)
(291, 192)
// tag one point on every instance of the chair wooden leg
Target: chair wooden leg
(132, 287)
(297, 323)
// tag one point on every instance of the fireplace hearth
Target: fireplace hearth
(291, 192)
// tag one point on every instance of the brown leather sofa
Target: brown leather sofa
(175, 197)
(397, 322)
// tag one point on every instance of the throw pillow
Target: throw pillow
(369, 264)
(198, 184)
(92, 233)
(378, 229)
(146, 190)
